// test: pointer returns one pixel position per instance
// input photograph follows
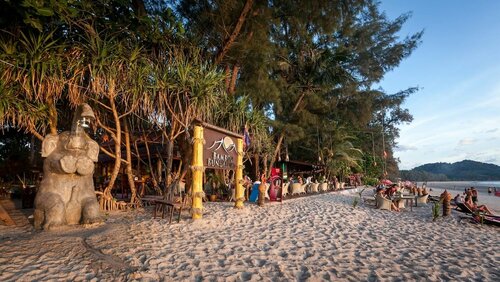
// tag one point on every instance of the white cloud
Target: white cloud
(466, 141)
(404, 148)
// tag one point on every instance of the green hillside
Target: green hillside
(466, 170)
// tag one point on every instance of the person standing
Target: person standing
(262, 189)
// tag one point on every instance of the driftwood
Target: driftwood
(108, 203)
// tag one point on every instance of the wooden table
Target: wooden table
(407, 198)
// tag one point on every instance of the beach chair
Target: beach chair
(369, 200)
(383, 203)
(487, 219)
(400, 203)
(461, 207)
(422, 199)
(323, 186)
(266, 196)
(314, 187)
(285, 189)
(298, 188)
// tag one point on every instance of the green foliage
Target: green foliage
(302, 69)
(371, 181)
(435, 210)
(460, 171)
(355, 202)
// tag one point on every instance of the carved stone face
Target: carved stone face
(66, 143)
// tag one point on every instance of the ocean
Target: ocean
(481, 186)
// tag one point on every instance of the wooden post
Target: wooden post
(197, 167)
(239, 193)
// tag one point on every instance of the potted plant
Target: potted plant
(215, 183)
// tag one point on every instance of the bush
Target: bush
(371, 181)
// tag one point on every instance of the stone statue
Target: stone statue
(66, 194)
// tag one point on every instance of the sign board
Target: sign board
(219, 150)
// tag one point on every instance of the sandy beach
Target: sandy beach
(314, 238)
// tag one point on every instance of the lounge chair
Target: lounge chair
(463, 208)
(383, 203)
(487, 219)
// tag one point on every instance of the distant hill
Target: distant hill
(466, 170)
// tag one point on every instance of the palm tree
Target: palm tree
(184, 88)
(36, 72)
(340, 155)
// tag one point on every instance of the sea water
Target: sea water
(481, 186)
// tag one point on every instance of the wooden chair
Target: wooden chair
(167, 206)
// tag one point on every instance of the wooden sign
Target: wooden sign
(219, 150)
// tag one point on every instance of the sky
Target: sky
(457, 69)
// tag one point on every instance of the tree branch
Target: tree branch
(236, 31)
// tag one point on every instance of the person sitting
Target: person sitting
(475, 208)
(300, 180)
(474, 195)
(382, 193)
(391, 191)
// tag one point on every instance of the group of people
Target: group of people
(470, 200)
(388, 193)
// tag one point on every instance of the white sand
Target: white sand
(314, 238)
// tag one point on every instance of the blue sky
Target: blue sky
(457, 68)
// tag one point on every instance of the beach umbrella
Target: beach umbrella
(386, 182)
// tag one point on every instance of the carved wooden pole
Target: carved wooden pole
(446, 198)
(239, 193)
(197, 167)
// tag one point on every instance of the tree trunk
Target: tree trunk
(282, 134)
(267, 170)
(227, 71)
(168, 166)
(257, 166)
(232, 87)
(156, 178)
(52, 116)
(139, 8)
(117, 138)
(130, 173)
